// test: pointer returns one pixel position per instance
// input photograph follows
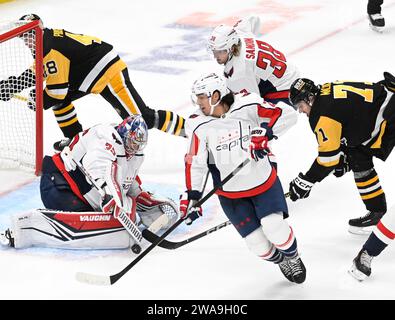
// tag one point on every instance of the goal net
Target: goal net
(21, 82)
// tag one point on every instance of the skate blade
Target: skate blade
(361, 231)
(356, 274)
(377, 29)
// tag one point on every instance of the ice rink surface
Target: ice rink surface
(163, 43)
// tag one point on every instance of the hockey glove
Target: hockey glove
(31, 101)
(342, 167)
(299, 188)
(188, 212)
(259, 143)
(6, 88)
(67, 158)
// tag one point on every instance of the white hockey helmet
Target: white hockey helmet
(223, 37)
(209, 83)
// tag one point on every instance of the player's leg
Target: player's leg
(370, 190)
(376, 20)
(271, 209)
(122, 95)
(66, 230)
(382, 235)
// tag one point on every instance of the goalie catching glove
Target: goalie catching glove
(300, 187)
(187, 209)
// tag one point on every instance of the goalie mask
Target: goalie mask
(207, 85)
(134, 133)
(302, 89)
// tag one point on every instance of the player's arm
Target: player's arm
(13, 85)
(328, 134)
(196, 161)
(276, 119)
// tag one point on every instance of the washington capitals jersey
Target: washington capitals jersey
(260, 68)
(97, 149)
(348, 112)
(221, 144)
(76, 62)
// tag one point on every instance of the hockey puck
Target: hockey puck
(136, 248)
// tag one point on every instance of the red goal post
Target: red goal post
(21, 108)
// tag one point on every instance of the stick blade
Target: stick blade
(93, 279)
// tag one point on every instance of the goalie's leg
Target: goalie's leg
(66, 230)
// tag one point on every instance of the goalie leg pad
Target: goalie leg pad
(151, 208)
(69, 230)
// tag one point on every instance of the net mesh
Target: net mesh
(17, 99)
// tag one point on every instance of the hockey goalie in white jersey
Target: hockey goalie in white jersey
(226, 131)
(251, 64)
(87, 188)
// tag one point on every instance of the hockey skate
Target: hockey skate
(376, 22)
(293, 269)
(7, 239)
(365, 224)
(60, 145)
(360, 268)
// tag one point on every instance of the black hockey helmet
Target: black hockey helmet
(302, 89)
(29, 17)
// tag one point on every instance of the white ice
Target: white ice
(163, 43)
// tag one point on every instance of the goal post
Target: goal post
(21, 102)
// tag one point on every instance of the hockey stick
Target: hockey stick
(166, 244)
(109, 280)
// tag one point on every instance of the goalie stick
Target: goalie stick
(171, 245)
(109, 280)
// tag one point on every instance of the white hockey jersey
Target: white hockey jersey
(259, 68)
(221, 144)
(97, 149)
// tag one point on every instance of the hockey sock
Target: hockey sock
(370, 190)
(67, 120)
(374, 246)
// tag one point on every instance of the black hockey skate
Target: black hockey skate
(360, 268)
(60, 145)
(293, 269)
(365, 224)
(7, 239)
(376, 22)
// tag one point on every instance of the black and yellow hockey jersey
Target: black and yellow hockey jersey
(76, 63)
(351, 112)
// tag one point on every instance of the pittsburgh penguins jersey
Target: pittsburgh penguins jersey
(221, 144)
(76, 62)
(259, 68)
(98, 149)
(348, 112)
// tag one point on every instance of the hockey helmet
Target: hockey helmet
(134, 133)
(208, 84)
(29, 17)
(302, 89)
(223, 37)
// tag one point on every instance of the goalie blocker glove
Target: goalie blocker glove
(187, 210)
(300, 187)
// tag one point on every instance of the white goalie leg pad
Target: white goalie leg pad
(68, 230)
(258, 243)
(277, 230)
(155, 209)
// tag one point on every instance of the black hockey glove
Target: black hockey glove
(342, 168)
(299, 188)
(7, 89)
